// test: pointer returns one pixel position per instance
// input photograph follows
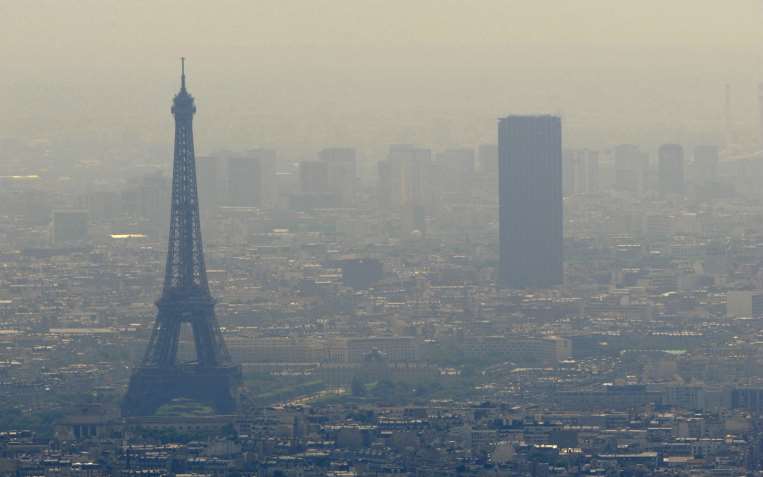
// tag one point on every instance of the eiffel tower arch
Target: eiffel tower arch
(213, 378)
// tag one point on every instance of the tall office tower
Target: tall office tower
(487, 157)
(580, 172)
(760, 111)
(592, 172)
(103, 206)
(154, 189)
(729, 133)
(342, 172)
(210, 187)
(314, 187)
(671, 170)
(405, 186)
(569, 164)
(531, 223)
(631, 169)
(252, 179)
(68, 227)
(314, 177)
(402, 177)
(266, 186)
(705, 164)
(456, 170)
(212, 378)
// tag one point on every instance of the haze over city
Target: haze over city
(302, 74)
(422, 238)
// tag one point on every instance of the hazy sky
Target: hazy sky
(370, 72)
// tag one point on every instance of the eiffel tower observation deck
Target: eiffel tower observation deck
(212, 379)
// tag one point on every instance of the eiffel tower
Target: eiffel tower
(212, 379)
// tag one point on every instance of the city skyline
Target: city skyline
(440, 239)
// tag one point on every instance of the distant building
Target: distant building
(103, 206)
(69, 227)
(748, 398)
(406, 186)
(402, 176)
(152, 190)
(744, 304)
(760, 110)
(208, 174)
(252, 179)
(361, 273)
(487, 159)
(242, 178)
(395, 348)
(524, 351)
(580, 172)
(315, 190)
(631, 168)
(314, 177)
(671, 170)
(658, 227)
(589, 173)
(342, 172)
(530, 150)
(456, 170)
(705, 164)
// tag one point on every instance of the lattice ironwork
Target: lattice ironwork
(185, 297)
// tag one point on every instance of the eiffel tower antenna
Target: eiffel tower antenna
(182, 73)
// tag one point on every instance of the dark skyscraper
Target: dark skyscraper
(671, 169)
(212, 378)
(530, 175)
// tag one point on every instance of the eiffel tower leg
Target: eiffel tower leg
(151, 388)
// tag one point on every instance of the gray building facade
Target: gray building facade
(530, 183)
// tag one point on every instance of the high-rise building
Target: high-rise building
(402, 176)
(671, 170)
(456, 170)
(592, 171)
(252, 179)
(760, 110)
(242, 177)
(487, 158)
(153, 189)
(103, 206)
(314, 185)
(531, 222)
(209, 171)
(267, 186)
(342, 172)
(631, 169)
(405, 186)
(705, 164)
(580, 172)
(69, 227)
(314, 177)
